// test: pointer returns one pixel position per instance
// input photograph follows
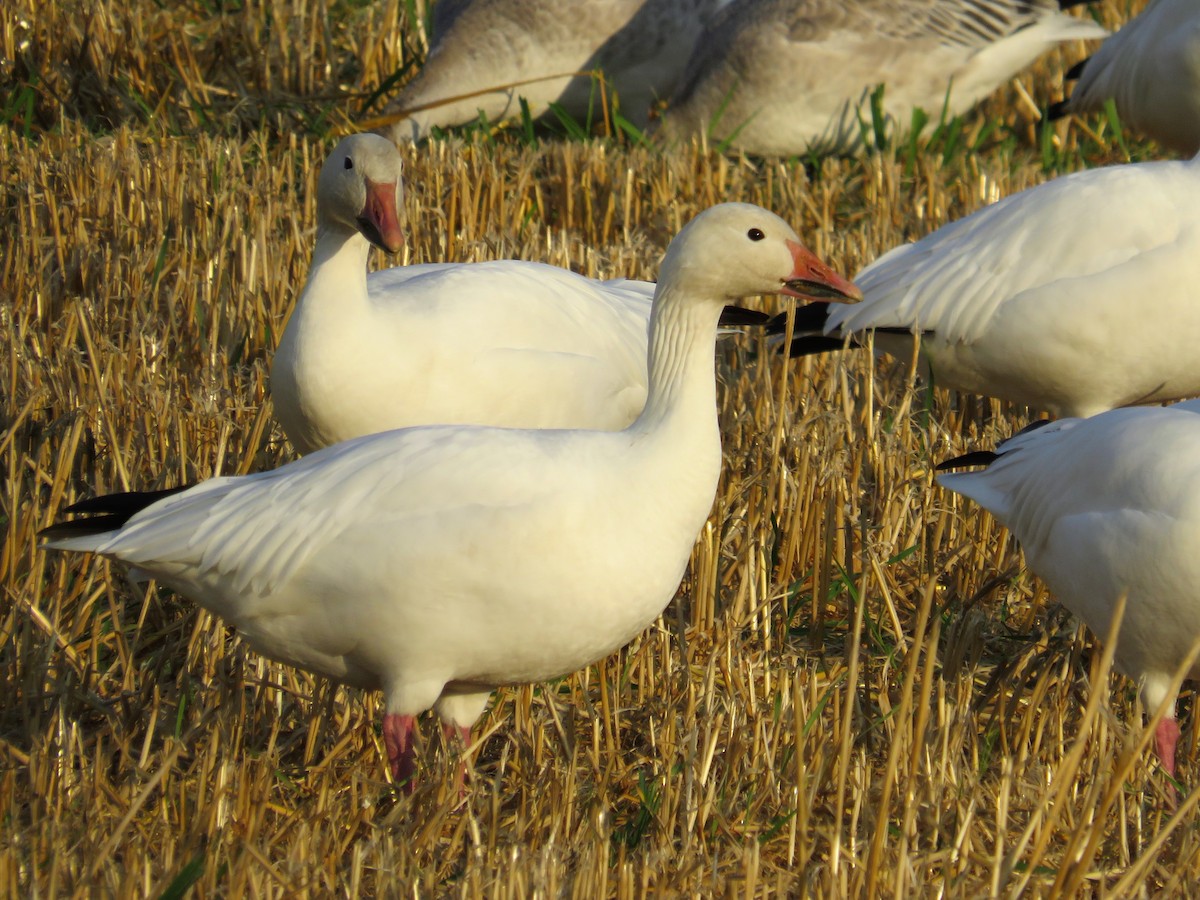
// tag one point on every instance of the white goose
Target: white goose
(1075, 296)
(1109, 507)
(1151, 70)
(489, 54)
(507, 342)
(789, 76)
(437, 563)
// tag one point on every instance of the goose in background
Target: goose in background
(1150, 69)
(486, 55)
(1074, 296)
(438, 563)
(508, 342)
(1105, 508)
(784, 77)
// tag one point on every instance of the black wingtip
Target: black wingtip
(740, 317)
(811, 345)
(1057, 110)
(82, 527)
(1073, 73)
(974, 458)
(808, 318)
(1032, 426)
(902, 331)
(105, 513)
(987, 457)
(124, 503)
(808, 331)
(1067, 4)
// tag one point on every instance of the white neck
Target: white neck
(678, 431)
(309, 363)
(682, 388)
(339, 267)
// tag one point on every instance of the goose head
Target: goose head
(735, 250)
(360, 189)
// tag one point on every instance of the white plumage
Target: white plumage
(1105, 507)
(1150, 69)
(507, 342)
(487, 55)
(788, 76)
(1075, 296)
(436, 563)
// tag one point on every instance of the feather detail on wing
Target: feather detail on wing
(954, 281)
(257, 531)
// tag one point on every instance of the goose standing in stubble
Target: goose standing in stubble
(1105, 508)
(505, 342)
(438, 563)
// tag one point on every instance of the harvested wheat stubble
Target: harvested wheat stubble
(770, 736)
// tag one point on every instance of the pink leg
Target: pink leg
(463, 733)
(397, 738)
(1166, 736)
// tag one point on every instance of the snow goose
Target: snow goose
(1151, 71)
(1075, 296)
(486, 54)
(437, 563)
(1109, 507)
(507, 342)
(789, 76)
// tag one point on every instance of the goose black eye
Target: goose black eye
(349, 164)
(755, 234)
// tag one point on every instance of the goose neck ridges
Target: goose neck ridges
(681, 361)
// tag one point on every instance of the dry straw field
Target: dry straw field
(859, 691)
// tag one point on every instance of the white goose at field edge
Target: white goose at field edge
(786, 77)
(1150, 69)
(507, 342)
(438, 563)
(1109, 507)
(1075, 296)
